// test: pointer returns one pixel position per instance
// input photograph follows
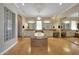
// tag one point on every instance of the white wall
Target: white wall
(1, 28)
(7, 44)
(56, 25)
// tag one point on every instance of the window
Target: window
(9, 24)
(31, 24)
(38, 25)
(73, 25)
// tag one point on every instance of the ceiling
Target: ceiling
(43, 9)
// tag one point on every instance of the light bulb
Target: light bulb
(60, 4)
(38, 18)
(23, 4)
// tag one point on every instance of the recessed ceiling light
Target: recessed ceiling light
(23, 4)
(60, 4)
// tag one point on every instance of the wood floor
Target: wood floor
(56, 46)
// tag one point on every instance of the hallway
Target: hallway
(56, 46)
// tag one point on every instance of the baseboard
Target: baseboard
(8, 48)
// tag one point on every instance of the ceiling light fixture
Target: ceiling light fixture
(31, 21)
(60, 4)
(38, 18)
(66, 22)
(23, 4)
(46, 21)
